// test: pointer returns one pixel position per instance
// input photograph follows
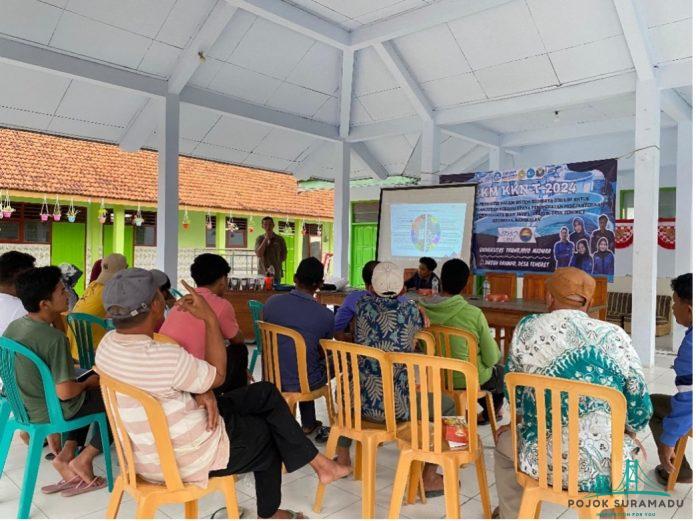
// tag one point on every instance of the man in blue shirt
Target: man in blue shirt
(673, 418)
(563, 249)
(346, 312)
(299, 311)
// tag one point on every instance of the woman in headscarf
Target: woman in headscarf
(581, 258)
(603, 259)
(579, 231)
(70, 274)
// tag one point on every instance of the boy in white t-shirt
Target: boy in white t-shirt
(12, 263)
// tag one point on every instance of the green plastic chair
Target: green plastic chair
(177, 294)
(81, 326)
(9, 350)
(256, 309)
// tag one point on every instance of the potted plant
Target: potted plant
(230, 225)
(208, 221)
(138, 219)
(186, 221)
(44, 215)
(7, 209)
(101, 213)
(72, 213)
(56, 210)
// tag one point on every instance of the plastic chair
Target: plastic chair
(538, 490)
(149, 496)
(678, 458)
(81, 325)
(443, 342)
(423, 441)
(271, 366)
(9, 350)
(256, 309)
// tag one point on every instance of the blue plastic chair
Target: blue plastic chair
(9, 350)
(256, 309)
(81, 325)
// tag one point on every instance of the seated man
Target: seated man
(455, 311)
(299, 311)
(12, 264)
(425, 276)
(567, 343)
(384, 322)
(209, 272)
(44, 297)
(253, 430)
(673, 417)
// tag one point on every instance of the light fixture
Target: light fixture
(556, 117)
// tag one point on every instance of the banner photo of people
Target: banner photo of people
(539, 219)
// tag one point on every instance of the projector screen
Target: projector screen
(428, 221)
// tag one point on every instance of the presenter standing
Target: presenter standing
(271, 251)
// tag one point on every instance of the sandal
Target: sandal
(322, 435)
(293, 514)
(84, 487)
(309, 430)
(61, 485)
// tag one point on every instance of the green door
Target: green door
(108, 243)
(68, 242)
(363, 242)
(289, 264)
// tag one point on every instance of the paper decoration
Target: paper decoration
(665, 233)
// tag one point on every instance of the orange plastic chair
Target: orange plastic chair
(443, 341)
(678, 458)
(538, 490)
(423, 441)
(271, 366)
(149, 496)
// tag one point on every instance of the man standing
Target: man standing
(271, 250)
(563, 249)
(673, 415)
(602, 232)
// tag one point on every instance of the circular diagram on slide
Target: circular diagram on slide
(425, 232)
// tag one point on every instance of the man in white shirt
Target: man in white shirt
(12, 263)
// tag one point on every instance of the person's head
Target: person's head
(133, 300)
(267, 223)
(165, 288)
(564, 233)
(578, 225)
(42, 292)
(682, 299)
(210, 271)
(111, 265)
(582, 247)
(603, 244)
(309, 275)
(12, 263)
(367, 270)
(387, 280)
(569, 288)
(603, 220)
(454, 276)
(426, 265)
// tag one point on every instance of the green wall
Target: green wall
(194, 237)
(68, 241)
(108, 243)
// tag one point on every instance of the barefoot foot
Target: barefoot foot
(328, 470)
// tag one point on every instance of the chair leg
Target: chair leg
(451, 479)
(537, 513)
(104, 434)
(678, 458)
(415, 483)
(529, 505)
(491, 413)
(331, 445)
(30, 473)
(357, 466)
(145, 509)
(191, 509)
(252, 362)
(115, 501)
(400, 482)
(369, 468)
(230, 491)
(7, 435)
(483, 484)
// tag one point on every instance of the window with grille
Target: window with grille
(145, 234)
(210, 240)
(365, 212)
(237, 239)
(286, 228)
(26, 227)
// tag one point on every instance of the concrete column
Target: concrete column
(342, 212)
(168, 189)
(683, 253)
(498, 159)
(430, 153)
(647, 185)
(119, 237)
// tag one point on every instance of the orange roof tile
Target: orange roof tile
(47, 164)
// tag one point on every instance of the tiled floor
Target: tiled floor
(342, 499)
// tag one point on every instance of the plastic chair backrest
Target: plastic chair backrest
(81, 326)
(9, 350)
(573, 389)
(157, 421)
(344, 358)
(256, 309)
(428, 342)
(427, 372)
(269, 356)
(443, 347)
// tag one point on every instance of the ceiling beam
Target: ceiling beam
(346, 92)
(636, 36)
(418, 20)
(398, 69)
(391, 127)
(466, 162)
(144, 123)
(675, 75)
(675, 106)
(241, 109)
(299, 20)
(474, 133)
(311, 160)
(370, 160)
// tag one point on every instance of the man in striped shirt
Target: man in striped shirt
(253, 431)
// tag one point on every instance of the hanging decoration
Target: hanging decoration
(57, 212)
(665, 233)
(7, 209)
(250, 228)
(72, 212)
(101, 213)
(230, 225)
(186, 221)
(43, 214)
(304, 228)
(138, 219)
(208, 221)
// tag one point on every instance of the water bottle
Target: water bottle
(486, 288)
(270, 279)
(435, 286)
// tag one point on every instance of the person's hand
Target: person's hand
(92, 382)
(208, 402)
(424, 316)
(54, 444)
(500, 431)
(195, 304)
(666, 454)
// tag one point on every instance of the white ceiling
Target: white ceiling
(515, 48)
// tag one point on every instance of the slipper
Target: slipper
(322, 435)
(61, 485)
(309, 430)
(434, 493)
(83, 487)
(293, 514)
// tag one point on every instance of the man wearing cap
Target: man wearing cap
(245, 430)
(567, 343)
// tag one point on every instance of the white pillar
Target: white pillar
(342, 212)
(168, 189)
(647, 184)
(430, 153)
(683, 253)
(498, 159)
